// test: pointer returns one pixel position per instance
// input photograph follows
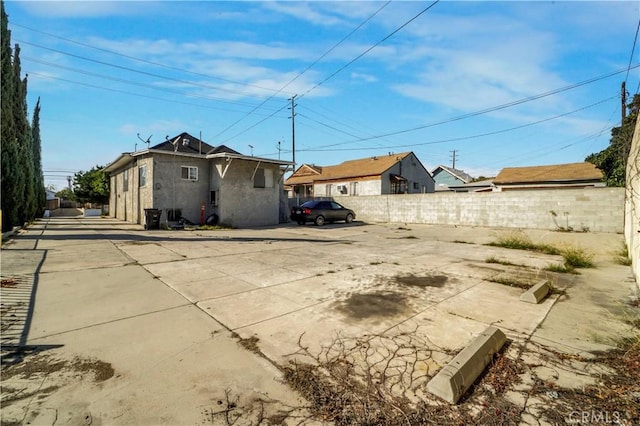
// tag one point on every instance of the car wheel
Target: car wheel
(349, 218)
(320, 220)
(301, 222)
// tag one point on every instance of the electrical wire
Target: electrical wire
(147, 73)
(157, 64)
(134, 83)
(171, 101)
(302, 72)
(476, 136)
(487, 110)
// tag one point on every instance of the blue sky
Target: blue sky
(502, 83)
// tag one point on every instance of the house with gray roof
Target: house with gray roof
(445, 177)
(186, 178)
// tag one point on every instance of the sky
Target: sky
(493, 84)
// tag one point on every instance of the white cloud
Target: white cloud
(84, 9)
(367, 78)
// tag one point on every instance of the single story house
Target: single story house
(445, 177)
(385, 174)
(572, 175)
(485, 185)
(184, 177)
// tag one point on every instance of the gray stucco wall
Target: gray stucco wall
(598, 209)
(170, 191)
(239, 203)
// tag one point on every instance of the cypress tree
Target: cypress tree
(41, 197)
(9, 145)
(24, 187)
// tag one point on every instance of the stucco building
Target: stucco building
(185, 177)
(386, 174)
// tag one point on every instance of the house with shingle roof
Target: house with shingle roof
(186, 178)
(572, 175)
(386, 174)
(445, 177)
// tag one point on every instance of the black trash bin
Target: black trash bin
(152, 218)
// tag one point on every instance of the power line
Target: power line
(371, 48)
(150, 74)
(633, 49)
(303, 71)
(172, 101)
(466, 137)
(488, 110)
(134, 83)
(158, 64)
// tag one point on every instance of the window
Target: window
(189, 173)
(263, 178)
(125, 180)
(328, 190)
(142, 175)
(416, 185)
(214, 198)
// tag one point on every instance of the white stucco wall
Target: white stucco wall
(632, 204)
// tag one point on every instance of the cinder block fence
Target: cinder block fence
(593, 209)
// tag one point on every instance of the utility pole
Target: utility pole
(279, 149)
(453, 155)
(623, 97)
(69, 179)
(293, 129)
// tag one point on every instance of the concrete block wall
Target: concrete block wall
(593, 209)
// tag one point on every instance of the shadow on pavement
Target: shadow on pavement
(18, 288)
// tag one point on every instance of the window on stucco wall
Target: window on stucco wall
(142, 175)
(263, 178)
(125, 180)
(189, 173)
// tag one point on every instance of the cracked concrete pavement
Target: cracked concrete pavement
(166, 309)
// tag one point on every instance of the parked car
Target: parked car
(320, 212)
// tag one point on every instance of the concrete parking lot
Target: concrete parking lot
(175, 327)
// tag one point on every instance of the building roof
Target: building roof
(364, 167)
(554, 173)
(184, 143)
(459, 174)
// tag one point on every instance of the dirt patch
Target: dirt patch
(46, 365)
(378, 304)
(9, 283)
(411, 280)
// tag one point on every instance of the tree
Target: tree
(613, 159)
(9, 144)
(22, 181)
(36, 147)
(66, 194)
(92, 186)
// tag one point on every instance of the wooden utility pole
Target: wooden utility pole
(293, 129)
(453, 154)
(623, 97)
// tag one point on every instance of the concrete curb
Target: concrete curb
(536, 293)
(7, 235)
(456, 377)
